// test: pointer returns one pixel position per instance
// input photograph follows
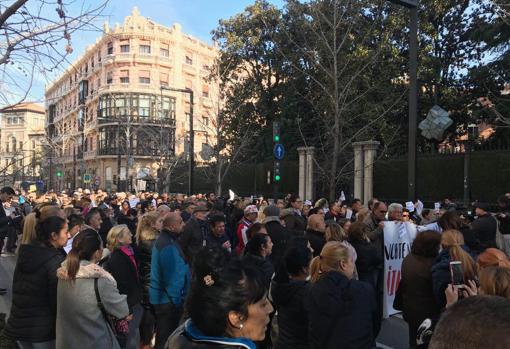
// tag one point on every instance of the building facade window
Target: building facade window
(205, 91)
(109, 48)
(164, 50)
(109, 78)
(124, 76)
(135, 105)
(189, 60)
(144, 77)
(124, 48)
(145, 49)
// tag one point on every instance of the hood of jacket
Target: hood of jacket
(87, 270)
(34, 256)
(283, 293)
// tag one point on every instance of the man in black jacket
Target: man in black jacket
(484, 227)
(315, 233)
(193, 238)
(217, 236)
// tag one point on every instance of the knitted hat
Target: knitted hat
(272, 211)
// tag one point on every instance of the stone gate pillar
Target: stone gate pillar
(364, 156)
(306, 158)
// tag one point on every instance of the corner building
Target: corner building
(21, 139)
(111, 123)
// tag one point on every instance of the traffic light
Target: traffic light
(276, 131)
(277, 174)
(59, 173)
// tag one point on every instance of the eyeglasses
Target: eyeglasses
(383, 211)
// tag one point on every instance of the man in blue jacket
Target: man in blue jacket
(170, 279)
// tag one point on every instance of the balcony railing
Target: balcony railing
(166, 122)
(112, 151)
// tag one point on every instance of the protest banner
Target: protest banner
(398, 238)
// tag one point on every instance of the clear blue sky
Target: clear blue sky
(197, 17)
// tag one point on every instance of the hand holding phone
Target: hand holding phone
(457, 273)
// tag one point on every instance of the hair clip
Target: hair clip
(208, 280)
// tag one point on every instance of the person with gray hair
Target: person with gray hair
(395, 211)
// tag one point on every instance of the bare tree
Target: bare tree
(340, 47)
(36, 40)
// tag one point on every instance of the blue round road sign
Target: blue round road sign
(279, 151)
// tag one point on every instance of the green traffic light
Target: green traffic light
(276, 138)
(277, 178)
(59, 174)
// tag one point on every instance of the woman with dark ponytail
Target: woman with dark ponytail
(34, 292)
(289, 290)
(81, 323)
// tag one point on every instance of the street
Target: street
(393, 333)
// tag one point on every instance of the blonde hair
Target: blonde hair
(495, 281)
(39, 214)
(334, 232)
(331, 255)
(452, 240)
(145, 229)
(112, 240)
(362, 214)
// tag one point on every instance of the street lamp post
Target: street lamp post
(191, 135)
(413, 94)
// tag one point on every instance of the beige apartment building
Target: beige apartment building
(21, 137)
(111, 119)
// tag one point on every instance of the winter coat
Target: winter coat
(280, 237)
(289, 299)
(369, 262)
(34, 293)
(418, 300)
(122, 269)
(376, 234)
(144, 257)
(295, 223)
(263, 264)
(188, 336)
(342, 313)
(170, 274)
(218, 241)
(504, 220)
(193, 238)
(317, 241)
(484, 229)
(441, 275)
(80, 323)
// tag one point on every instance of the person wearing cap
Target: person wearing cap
(484, 227)
(250, 216)
(195, 233)
(280, 236)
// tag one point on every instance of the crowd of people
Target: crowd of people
(126, 270)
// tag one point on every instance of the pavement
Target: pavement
(393, 333)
